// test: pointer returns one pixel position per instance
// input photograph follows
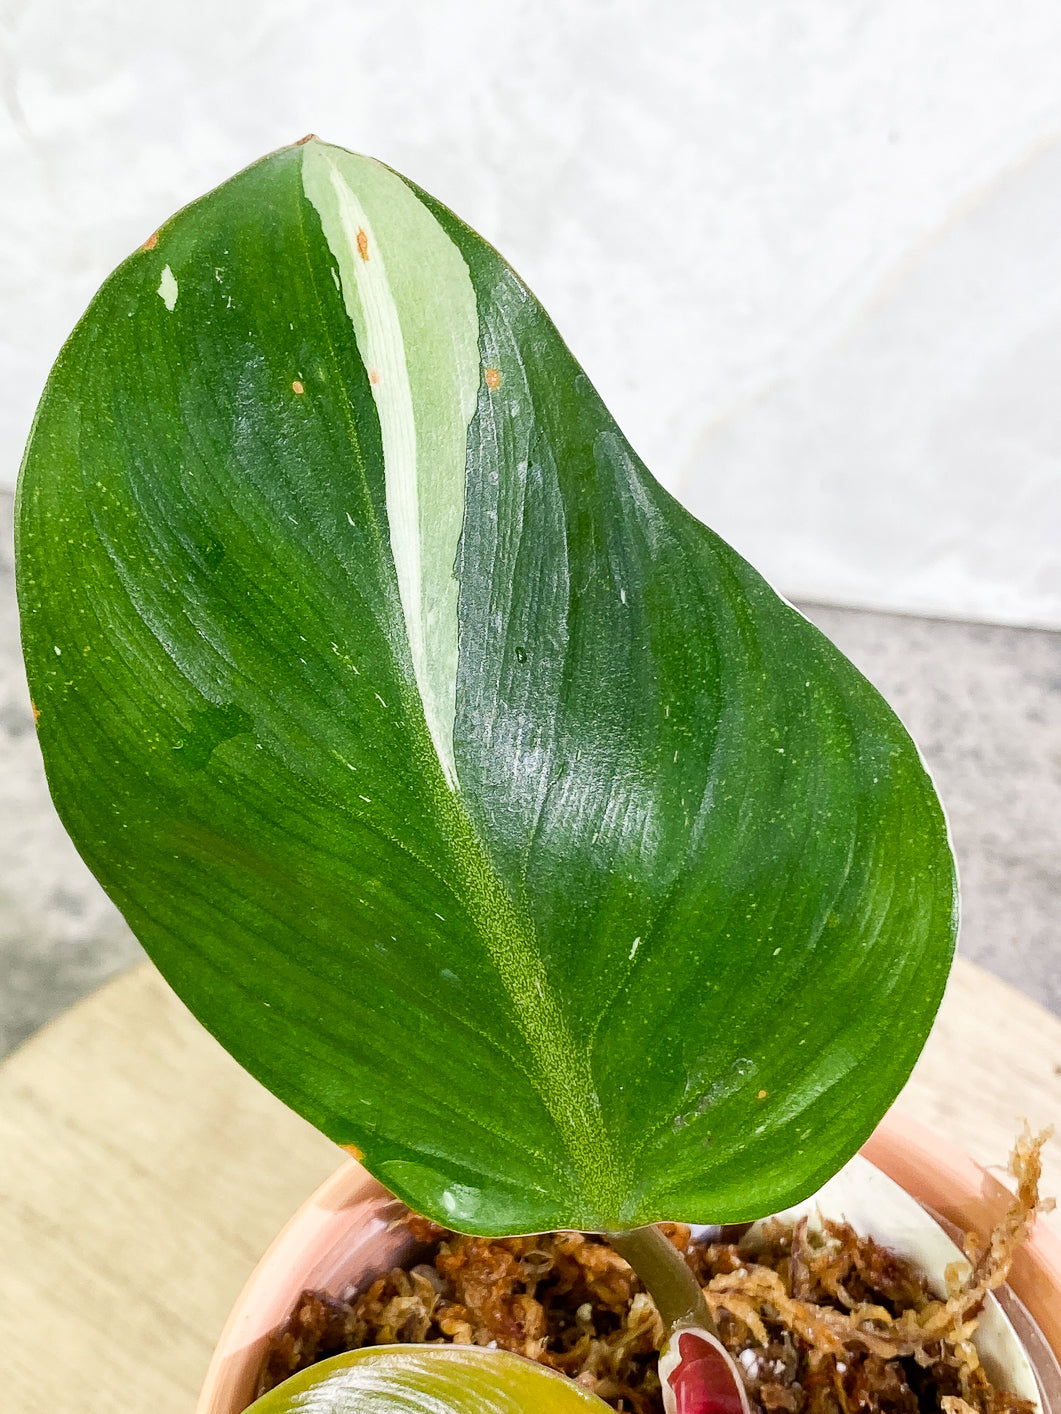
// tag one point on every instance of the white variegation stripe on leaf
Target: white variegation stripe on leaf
(409, 296)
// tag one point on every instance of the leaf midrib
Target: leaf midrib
(561, 1069)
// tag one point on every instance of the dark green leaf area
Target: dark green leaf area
(673, 945)
(735, 865)
(215, 646)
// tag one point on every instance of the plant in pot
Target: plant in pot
(486, 806)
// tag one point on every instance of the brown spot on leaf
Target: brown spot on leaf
(297, 387)
(151, 241)
(373, 375)
(353, 1151)
(493, 378)
(303, 140)
(36, 712)
(762, 1095)
(362, 245)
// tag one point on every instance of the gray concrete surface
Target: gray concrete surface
(984, 703)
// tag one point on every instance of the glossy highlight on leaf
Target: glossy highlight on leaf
(486, 806)
(427, 1379)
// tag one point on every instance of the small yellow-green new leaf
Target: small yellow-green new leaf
(428, 1379)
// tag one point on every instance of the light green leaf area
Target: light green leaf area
(428, 1379)
(487, 807)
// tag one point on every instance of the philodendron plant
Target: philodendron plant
(486, 806)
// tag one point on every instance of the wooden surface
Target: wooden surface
(142, 1173)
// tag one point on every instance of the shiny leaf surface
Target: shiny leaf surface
(488, 807)
(428, 1379)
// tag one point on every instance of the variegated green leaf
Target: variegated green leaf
(428, 1379)
(486, 806)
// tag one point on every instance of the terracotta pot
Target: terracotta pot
(341, 1236)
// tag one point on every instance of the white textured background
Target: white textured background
(809, 250)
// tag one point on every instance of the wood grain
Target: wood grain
(142, 1173)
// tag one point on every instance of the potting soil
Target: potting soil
(826, 1323)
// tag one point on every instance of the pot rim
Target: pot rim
(313, 1248)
